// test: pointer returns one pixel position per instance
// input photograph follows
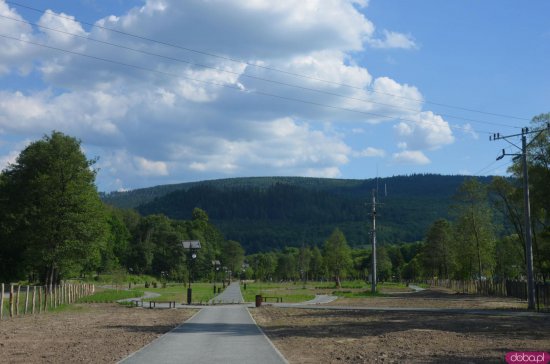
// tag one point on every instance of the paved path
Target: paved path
(217, 334)
(232, 294)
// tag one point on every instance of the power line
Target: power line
(124, 64)
(246, 75)
(370, 88)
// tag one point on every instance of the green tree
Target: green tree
(316, 263)
(383, 264)
(437, 252)
(474, 233)
(337, 255)
(57, 216)
(538, 155)
(232, 256)
(510, 262)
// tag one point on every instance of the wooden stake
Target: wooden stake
(11, 299)
(17, 300)
(2, 302)
(39, 299)
(33, 299)
(27, 300)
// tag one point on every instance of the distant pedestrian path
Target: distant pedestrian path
(232, 294)
(217, 334)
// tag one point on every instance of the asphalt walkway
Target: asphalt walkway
(217, 334)
(232, 294)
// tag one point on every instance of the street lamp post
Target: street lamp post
(192, 246)
(224, 276)
(215, 267)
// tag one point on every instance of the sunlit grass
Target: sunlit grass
(177, 292)
(288, 292)
(110, 296)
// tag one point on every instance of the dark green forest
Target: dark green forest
(265, 213)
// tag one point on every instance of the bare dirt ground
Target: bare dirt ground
(88, 333)
(334, 336)
(106, 333)
(435, 298)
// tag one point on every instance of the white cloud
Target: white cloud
(370, 152)
(150, 168)
(393, 40)
(181, 121)
(467, 129)
(411, 157)
(428, 132)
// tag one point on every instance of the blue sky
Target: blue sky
(427, 78)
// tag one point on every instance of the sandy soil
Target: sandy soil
(88, 333)
(334, 336)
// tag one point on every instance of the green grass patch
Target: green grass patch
(358, 294)
(110, 296)
(177, 292)
(289, 292)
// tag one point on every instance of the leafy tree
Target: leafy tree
(337, 255)
(437, 253)
(383, 264)
(286, 264)
(316, 263)
(474, 231)
(510, 262)
(57, 217)
(232, 256)
(304, 259)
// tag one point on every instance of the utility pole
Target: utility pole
(526, 205)
(373, 273)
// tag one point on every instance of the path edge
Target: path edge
(267, 338)
(159, 338)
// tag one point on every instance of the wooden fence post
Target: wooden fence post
(33, 299)
(27, 300)
(17, 300)
(11, 300)
(46, 296)
(2, 302)
(39, 299)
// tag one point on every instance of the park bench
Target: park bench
(171, 304)
(275, 298)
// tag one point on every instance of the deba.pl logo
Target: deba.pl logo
(518, 357)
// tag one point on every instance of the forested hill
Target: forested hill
(263, 213)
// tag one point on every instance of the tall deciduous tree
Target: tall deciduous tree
(337, 255)
(437, 252)
(58, 219)
(474, 231)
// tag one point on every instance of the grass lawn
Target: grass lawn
(202, 292)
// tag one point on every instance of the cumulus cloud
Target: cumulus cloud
(428, 132)
(370, 152)
(411, 157)
(167, 118)
(393, 40)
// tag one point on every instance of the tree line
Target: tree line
(54, 226)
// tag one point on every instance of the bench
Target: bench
(171, 304)
(276, 299)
